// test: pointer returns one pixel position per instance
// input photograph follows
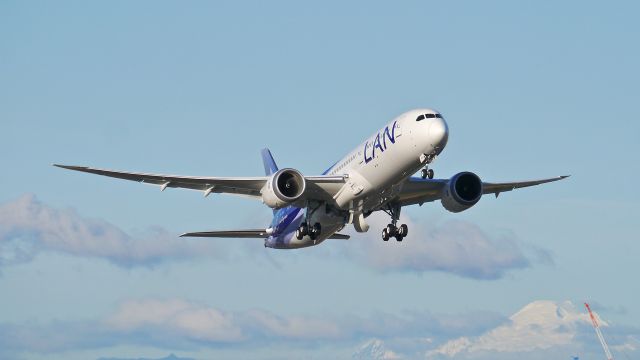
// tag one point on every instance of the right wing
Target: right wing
(321, 187)
(237, 185)
(254, 233)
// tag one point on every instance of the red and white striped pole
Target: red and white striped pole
(596, 326)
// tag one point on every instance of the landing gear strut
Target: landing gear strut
(426, 173)
(392, 230)
(304, 230)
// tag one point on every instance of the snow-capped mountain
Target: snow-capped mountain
(374, 349)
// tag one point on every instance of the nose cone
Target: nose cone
(438, 133)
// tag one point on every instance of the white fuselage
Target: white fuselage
(376, 170)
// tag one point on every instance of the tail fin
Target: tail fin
(270, 166)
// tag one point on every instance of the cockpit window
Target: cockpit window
(428, 116)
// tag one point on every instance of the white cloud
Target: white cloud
(181, 324)
(198, 322)
(453, 347)
(540, 329)
(186, 321)
(27, 226)
(457, 247)
(183, 318)
(293, 327)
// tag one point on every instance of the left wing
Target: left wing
(419, 191)
(497, 188)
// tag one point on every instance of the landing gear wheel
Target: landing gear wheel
(385, 234)
(314, 232)
(403, 231)
(391, 229)
(302, 231)
(426, 173)
(399, 237)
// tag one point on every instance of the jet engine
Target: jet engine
(283, 188)
(462, 191)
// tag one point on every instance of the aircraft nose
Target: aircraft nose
(438, 132)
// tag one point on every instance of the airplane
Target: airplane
(376, 176)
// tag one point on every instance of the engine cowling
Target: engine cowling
(462, 192)
(283, 188)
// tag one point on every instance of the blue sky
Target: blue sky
(529, 90)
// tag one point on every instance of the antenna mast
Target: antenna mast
(596, 326)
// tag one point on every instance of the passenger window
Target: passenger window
(421, 117)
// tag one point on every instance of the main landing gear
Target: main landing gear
(305, 229)
(392, 230)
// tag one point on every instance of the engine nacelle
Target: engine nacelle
(462, 192)
(283, 188)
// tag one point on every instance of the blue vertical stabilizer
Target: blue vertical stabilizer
(270, 166)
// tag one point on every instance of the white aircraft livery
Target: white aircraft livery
(375, 176)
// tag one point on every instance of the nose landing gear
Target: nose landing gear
(426, 173)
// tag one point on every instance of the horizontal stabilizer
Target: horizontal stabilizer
(257, 233)
(247, 234)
